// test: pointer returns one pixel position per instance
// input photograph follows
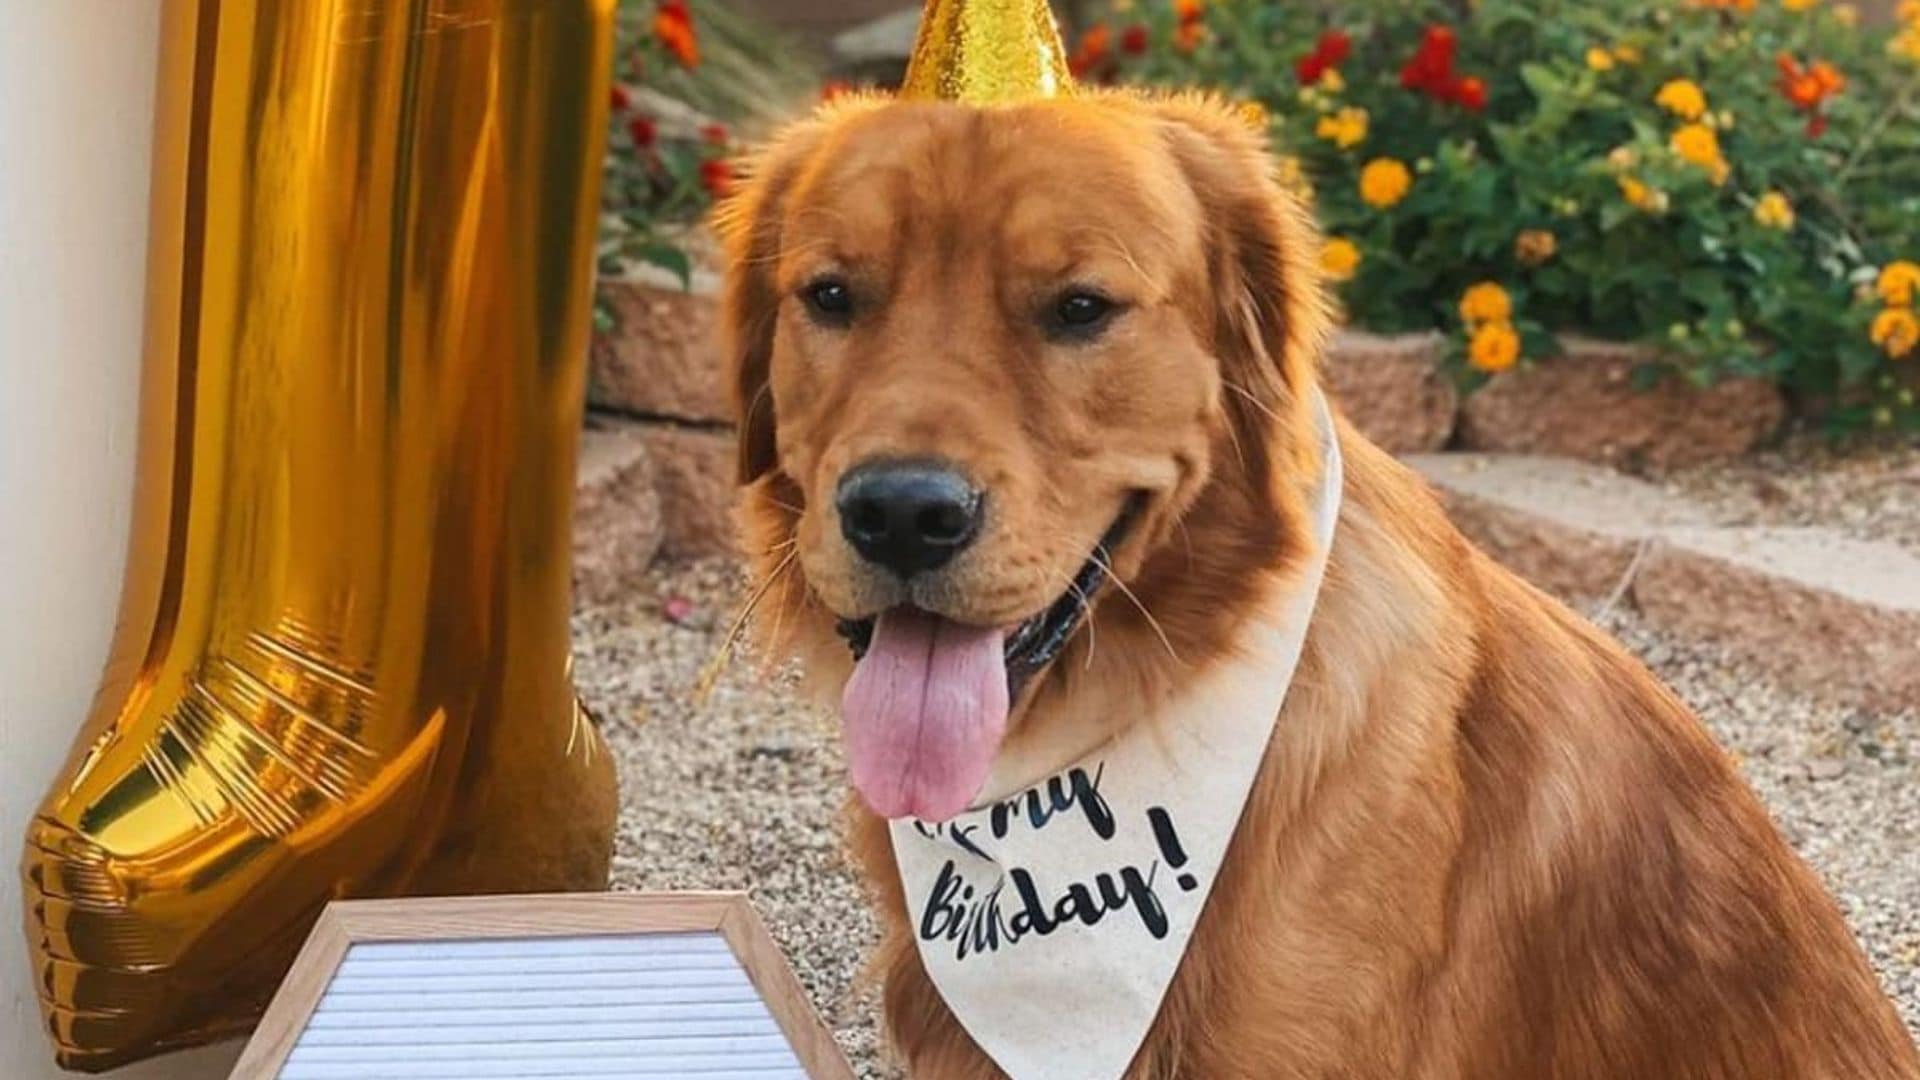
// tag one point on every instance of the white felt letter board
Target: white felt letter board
(667, 985)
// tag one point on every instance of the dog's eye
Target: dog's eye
(1080, 312)
(830, 300)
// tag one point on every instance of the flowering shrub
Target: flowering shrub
(1735, 181)
(657, 183)
(686, 72)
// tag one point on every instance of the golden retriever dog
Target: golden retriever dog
(995, 366)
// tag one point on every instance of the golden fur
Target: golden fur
(1485, 842)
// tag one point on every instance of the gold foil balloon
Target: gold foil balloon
(987, 52)
(342, 662)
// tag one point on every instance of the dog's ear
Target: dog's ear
(1270, 312)
(750, 223)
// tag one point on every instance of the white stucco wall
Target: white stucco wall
(76, 118)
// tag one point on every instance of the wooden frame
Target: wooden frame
(345, 923)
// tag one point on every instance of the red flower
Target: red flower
(622, 101)
(1328, 53)
(1430, 72)
(714, 134)
(1134, 40)
(1335, 46)
(1471, 93)
(673, 27)
(1816, 126)
(644, 131)
(717, 177)
(1431, 69)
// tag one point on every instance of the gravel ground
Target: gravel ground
(746, 792)
(1872, 493)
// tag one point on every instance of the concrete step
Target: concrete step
(1821, 610)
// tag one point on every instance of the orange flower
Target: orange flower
(1897, 332)
(1095, 44)
(1494, 347)
(1189, 10)
(673, 27)
(1189, 36)
(1807, 87)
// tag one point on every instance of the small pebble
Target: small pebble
(1827, 769)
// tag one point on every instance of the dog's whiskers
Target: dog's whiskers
(1252, 399)
(1100, 559)
(723, 654)
(1238, 450)
(1086, 608)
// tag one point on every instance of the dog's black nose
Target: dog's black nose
(908, 516)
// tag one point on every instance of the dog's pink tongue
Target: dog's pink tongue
(924, 713)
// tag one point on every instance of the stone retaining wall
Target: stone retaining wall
(1824, 613)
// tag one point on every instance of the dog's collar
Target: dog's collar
(1053, 917)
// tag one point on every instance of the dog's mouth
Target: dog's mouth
(1037, 642)
(928, 701)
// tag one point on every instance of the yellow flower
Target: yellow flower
(1683, 98)
(1799, 5)
(1773, 211)
(1846, 14)
(1495, 347)
(1906, 44)
(1332, 81)
(1639, 195)
(1345, 129)
(1627, 54)
(1339, 258)
(1534, 247)
(1599, 59)
(1698, 145)
(1897, 332)
(1384, 182)
(1486, 302)
(1899, 281)
(1908, 12)
(1255, 114)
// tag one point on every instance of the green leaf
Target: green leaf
(1542, 80)
(669, 258)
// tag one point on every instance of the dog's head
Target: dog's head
(993, 365)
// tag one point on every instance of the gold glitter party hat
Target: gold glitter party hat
(987, 52)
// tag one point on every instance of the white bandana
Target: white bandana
(1052, 922)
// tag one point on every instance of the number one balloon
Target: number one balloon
(342, 661)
